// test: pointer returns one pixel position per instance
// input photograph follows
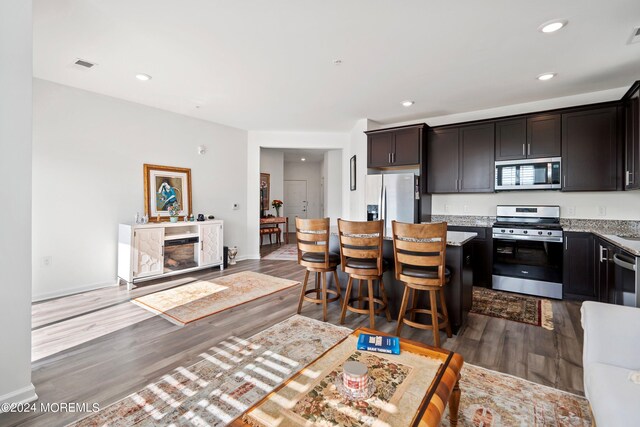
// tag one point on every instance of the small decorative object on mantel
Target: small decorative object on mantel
(174, 211)
(163, 187)
(233, 251)
(277, 204)
(200, 217)
(211, 217)
(192, 218)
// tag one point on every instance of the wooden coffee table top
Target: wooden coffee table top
(443, 389)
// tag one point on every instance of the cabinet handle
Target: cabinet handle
(564, 180)
(566, 244)
(603, 258)
(389, 157)
(628, 178)
(528, 149)
(523, 149)
(393, 157)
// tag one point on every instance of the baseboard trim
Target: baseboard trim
(24, 395)
(71, 291)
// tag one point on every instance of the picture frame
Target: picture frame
(352, 175)
(164, 185)
(265, 191)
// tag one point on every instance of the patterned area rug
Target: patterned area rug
(188, 303)
(285, 253)
(490, 398)
(233, 376)
(519, 308)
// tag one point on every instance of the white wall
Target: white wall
(333, 184)
(15, 193)
(272, 162)
(353, 201)
(269, 139)
(310, 172)
(88, 156)
(617, 204)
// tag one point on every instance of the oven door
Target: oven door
(528, 266)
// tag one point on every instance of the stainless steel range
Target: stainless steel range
(527, 250)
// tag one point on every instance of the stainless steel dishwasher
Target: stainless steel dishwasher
(627, 279)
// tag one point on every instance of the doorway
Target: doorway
(295, 201)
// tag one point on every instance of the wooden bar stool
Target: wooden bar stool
(361, 258)
(419, 254)
(313, 253)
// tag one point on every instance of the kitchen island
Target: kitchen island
(458, 292)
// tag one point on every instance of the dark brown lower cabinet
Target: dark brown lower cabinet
(481, 254)
(605, 269)
(579, 274)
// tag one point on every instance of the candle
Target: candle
(355, 376)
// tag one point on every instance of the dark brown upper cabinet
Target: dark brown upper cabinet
(400, 146)
(442, 161)
(632, 137)
(591, 150)
(460, 159)
(528, 138)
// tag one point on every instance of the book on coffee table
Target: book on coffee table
(379, 343)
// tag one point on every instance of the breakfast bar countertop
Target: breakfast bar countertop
(454, 238)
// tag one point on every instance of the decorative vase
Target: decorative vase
(233, 251)
(277, 211)
(173, 218)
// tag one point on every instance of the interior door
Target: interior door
(295, 201)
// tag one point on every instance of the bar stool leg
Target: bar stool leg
(304, 288)
(372, 320)
(434, 318)
(345, 303)
(361, 301)
(445, 313)
(414, 303)
(403, 309)
(318, 284)
(337, 283)
(324, 296)
(384, 299)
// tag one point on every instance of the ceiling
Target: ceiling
(268, 65)
(295, 155)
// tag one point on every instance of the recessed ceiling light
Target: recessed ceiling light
(552, 26)
(337, 61)
(143, 77)
(303, 159)
(407, 103)
(546, 76)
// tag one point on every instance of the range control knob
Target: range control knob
(510, 231)
(502, 231)
(540, 232)
(549, 233)
(525, 232)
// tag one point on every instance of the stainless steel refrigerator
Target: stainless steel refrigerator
(392, 197)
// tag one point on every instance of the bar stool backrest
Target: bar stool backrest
(420, 246)
(361, 240)
(313, 236)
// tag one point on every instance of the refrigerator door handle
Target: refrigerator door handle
(383, 203)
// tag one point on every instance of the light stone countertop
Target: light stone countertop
(454, 238)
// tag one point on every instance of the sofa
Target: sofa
(611, 353)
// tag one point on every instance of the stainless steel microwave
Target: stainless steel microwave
(528, 174)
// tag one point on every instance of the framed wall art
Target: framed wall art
(265, 189)
(164, 186)
(352, 175)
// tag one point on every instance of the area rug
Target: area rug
(196, 300)
(231, 378)
(490, 398)
(285, 253)
(519, 308)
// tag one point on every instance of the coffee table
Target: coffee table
(413, 389)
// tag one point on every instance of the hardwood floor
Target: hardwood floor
(98, 347)
(267, 248)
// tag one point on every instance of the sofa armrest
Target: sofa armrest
(611, 335)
